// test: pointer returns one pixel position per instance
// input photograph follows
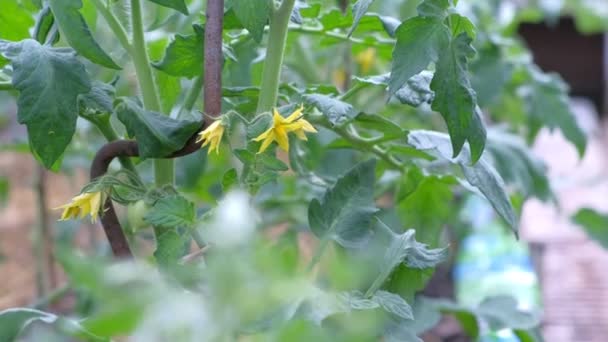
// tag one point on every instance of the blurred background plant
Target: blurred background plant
(339, 238)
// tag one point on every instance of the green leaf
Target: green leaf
(359, 9)
(49, 81)
(502, 312)
(100, 99)
(172, 244)
(490, 73)
(184, 55)
(594, 223)
(254, 15)
(481, 175)
(158, 135)
(434, 8)
(516, 164)
(547, 103)
(173, 211)
(389, 129)
(393, 303)
(15, 21)
(424, 202)
(454, 97)
(16, 322)
(229, 180)
(336, 111)
(414, 92)
(420, 40)
(179, 5)
(44, 24)
(403, 248)
(344, 213)
(77, 33)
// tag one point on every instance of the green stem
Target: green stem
(353, 91)
(115, 25)
(343, 37)
(193, 94)
(366, 144)
(6, 86)
(163, 169)
(277, 37)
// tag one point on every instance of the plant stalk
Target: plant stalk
(115, 25)
(164, 171)
(106, 129)
(277, 38)
(193, 94)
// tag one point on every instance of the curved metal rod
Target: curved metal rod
(128, 148)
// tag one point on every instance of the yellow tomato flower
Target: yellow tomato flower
(281, 126)
(212, 136)
(366, 59)
(83, 204)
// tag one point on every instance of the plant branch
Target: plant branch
(6, 86)
(115, 25)
(350, 134)
(193, 94)
(277, 38)
(102, 122)
(129, 148)
(163, 169)
(340, 36)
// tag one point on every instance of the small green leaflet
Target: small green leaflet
(336, 111)
(323, 304)
(49, 81)
(44, 24)
(424, 202)
(481, 175)
(16, 322)
(178, 5)
(254, 15)
(100, 99)
(497, 313)
(184, 55)
(454, 97)
(547, 104)
(403, 248)
(77, 33)
(172, 211)
(518, 166)
(359, 9)
(594, 223)
(419, 41)
(345, 212)
(414, 92)
(158, 135)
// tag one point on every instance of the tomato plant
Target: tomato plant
(317, 175)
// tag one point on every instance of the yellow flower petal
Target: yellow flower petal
(281, 127)
(212, 136)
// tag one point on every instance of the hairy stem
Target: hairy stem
(163, 169)
(277, 37)
(193, 94)
(115, 25)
